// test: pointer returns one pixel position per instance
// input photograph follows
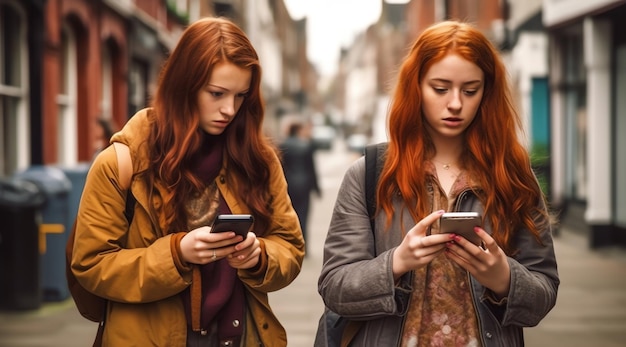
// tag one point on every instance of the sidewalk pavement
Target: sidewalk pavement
(591, 303)
(590, 310)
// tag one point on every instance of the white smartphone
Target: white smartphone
(241, 224)
(462, 223)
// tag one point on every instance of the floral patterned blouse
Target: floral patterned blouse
(441, 311)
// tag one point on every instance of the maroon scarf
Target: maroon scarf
(220, 297)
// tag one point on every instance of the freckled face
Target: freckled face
(220, 100)
(452, 90)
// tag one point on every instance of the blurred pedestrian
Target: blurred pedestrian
(453, 146)
(299, 165)
(197, 152)
(104, 132)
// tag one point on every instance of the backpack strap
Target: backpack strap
(124, 164)
(374, 159)
(374, 155)
(88, 304)
(125, 168)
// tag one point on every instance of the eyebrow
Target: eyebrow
(443, 80)
(216, 86)
(222, 88)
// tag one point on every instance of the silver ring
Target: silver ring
(214, 255)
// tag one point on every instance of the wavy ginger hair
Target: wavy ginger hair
(176, 138)
(493, 155)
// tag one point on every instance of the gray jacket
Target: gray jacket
(357, 281)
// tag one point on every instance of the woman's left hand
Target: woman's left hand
(246, 254)
(488, 265)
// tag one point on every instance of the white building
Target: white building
(587, 73)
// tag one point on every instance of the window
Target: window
(14, 128)
(575, 108)
(66, 100)
(620, 125)
(138, 85)
(106, 102)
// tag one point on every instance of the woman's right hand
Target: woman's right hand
(201, 246)
(417, 249)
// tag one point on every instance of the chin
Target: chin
(214, 131)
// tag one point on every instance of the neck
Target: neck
(448, 149)
(447, 158)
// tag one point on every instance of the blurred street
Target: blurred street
(590, 311)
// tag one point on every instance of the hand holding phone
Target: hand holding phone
(240, 224)
(462, 223)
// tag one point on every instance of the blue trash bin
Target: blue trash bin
(20, 217)
(55, 228)
(77, 175)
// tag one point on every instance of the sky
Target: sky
(331, 25)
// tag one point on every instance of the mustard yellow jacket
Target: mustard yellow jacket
(133, 267)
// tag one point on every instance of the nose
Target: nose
(228, 107)
(455, 103)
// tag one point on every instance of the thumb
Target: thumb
(422, 226)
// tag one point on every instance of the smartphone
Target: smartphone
(241, 224)
(462, 223)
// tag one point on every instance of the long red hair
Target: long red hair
(494, 156)
(176, 137)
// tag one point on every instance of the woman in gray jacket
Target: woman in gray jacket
(453, 146)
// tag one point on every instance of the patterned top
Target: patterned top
(441, 311)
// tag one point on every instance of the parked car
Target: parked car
(323, 136)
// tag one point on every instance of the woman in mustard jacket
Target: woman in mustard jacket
(196, 153)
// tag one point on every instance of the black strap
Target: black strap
(373, 166)
(129, 211)
(338, 327)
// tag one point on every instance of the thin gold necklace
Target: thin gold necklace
(445, 166)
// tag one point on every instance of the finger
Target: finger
(453, 252)
(221, 236)
(433, 241)
(423, 225)
(469, 259)
(436, 240)
(458, 248)
(248, 252)
(204, 234)
(247, 242)
(467, 250)
(240, 261)
(488, 241)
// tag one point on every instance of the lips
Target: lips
(453, 122)
(221, 124)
